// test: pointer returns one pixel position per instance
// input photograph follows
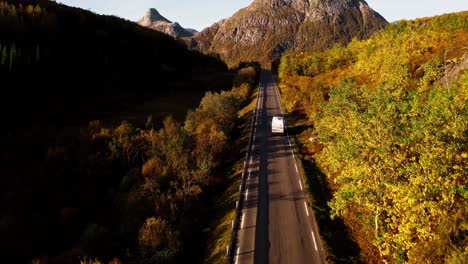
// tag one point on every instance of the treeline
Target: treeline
(62, 62)
(126, 193)
(388, 124)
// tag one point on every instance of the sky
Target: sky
(199, 14)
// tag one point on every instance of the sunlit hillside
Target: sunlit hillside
(387, 122)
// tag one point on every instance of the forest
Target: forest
(387, 123)
(66, 62)
(102, 158)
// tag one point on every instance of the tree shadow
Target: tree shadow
(341, 247)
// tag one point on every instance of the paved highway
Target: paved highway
(277, 225)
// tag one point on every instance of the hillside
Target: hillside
(84, 97)
(386, 122)
(154, 20)
(86, 63)
(266, 29)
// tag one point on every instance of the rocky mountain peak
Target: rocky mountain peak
(151, 16)
(154, 20)
(267, 28)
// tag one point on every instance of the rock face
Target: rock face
(268, 28)
(153, 19)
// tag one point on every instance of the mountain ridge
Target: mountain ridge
(266, 29)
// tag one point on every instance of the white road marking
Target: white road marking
(247, 195)
(315, 243)
(305, 206)
(297, 170)
(237, 255)
(251, 158)
(253, 147)
(294, 156)
(290, 144)
(243, 218)
(300, 184)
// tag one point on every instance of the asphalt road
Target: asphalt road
(277, 225)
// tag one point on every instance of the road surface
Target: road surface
(277, 225)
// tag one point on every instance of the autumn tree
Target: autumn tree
(392, 136)
(157, 241)
(210, 141)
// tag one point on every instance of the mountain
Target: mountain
(266, 29)
(153, 19)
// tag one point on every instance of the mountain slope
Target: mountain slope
(60, 68)
(386, 121)
(268, 28)
(154, 20)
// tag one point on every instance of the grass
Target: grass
(220, 235)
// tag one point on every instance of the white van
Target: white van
(277, 125)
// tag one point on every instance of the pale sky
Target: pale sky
(199, 14)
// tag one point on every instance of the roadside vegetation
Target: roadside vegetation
(383, 125)
(225, 207)
(150, 191)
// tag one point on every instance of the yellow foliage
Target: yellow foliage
(393, 135)
(152, 168)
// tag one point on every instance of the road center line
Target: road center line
(315, 243)
(305, 206)
(300, 184)
(247, 195)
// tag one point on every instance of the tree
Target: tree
(4, 55)
(12, 56)
(37, 10)
(29, 9)
(209, 144)
(156, 239)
